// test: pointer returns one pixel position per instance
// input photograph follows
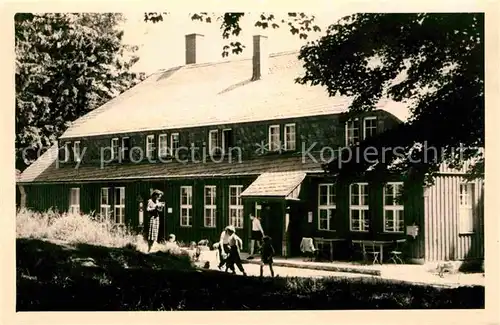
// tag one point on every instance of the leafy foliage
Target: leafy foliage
(432, 62)
(66, 65)
(298, 23)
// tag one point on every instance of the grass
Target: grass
(75, 274)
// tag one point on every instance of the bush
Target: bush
(72, 228)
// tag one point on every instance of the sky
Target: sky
(162, 45)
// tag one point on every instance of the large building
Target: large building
(229, 139)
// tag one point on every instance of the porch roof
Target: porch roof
(276, 184)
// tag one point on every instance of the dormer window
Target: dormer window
(174, 144)
(76, 151)
(227, 140)
(150, 146)
(114, 149)
(352, 132)
(162, 145)
(274, 138)
(125, 149)
(290, 136)
(66, 151)
(213, 142)
(369, 126)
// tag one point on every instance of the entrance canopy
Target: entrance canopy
(284, 185)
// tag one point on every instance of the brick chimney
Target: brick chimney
(260, 57)
(193, 46)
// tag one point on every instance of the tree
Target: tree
(66, 65)
(299, 23)
(433, 62)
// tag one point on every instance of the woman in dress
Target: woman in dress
(154, 207)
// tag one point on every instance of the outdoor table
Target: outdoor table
(379, 243)
(329, 242)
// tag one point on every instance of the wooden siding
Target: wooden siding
(443, 240)
(413, 213)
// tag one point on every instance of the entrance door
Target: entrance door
(272, 223)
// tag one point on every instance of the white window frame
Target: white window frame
(397, 209)
(213, 135)
(163, 145)
(237, 220)
(106, 208)
(276, 144)
(172, 147)
(290, 144)
(225, 150)
(188, 207)
(369, 118)
(122, 154)
(74, 205)
(362, 208)
(150, 146)
(348, 128)
(329, 207)
(210, 207)
(76, 153)
(119, 218)
(67, 156)
(466, 208)
(114, 144)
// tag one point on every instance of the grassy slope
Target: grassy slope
(81, 277)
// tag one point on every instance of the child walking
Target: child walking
(267, 253)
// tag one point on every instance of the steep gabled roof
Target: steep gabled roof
(211, 94)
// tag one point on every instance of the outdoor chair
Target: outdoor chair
(373, 251)
(307, 248)
(395, 254)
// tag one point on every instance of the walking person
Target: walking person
(153, 208)
(257, 234)
(223, 246)
(235, 247)
(266, 255)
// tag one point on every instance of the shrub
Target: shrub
(72, 228)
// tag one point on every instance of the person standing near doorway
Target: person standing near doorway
(257, 234)
(153, 208)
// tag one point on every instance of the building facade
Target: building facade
(229, 139)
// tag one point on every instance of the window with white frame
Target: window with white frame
(105, 202)
(290, 143)
(235, 206)
(227, 140)
(186, 206)
(162, 145)
(150, 146)
(174, 144)
(66, 151)
(393, 208)
(76, 151)
(213, 142)
(274, 138)
(326, 206)
(119, 205)
(466, 208)
(369, 126)
(74, 200)
(352, 132)
(210, 206)
(114, 148)
(125, 156)
(358, 207)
